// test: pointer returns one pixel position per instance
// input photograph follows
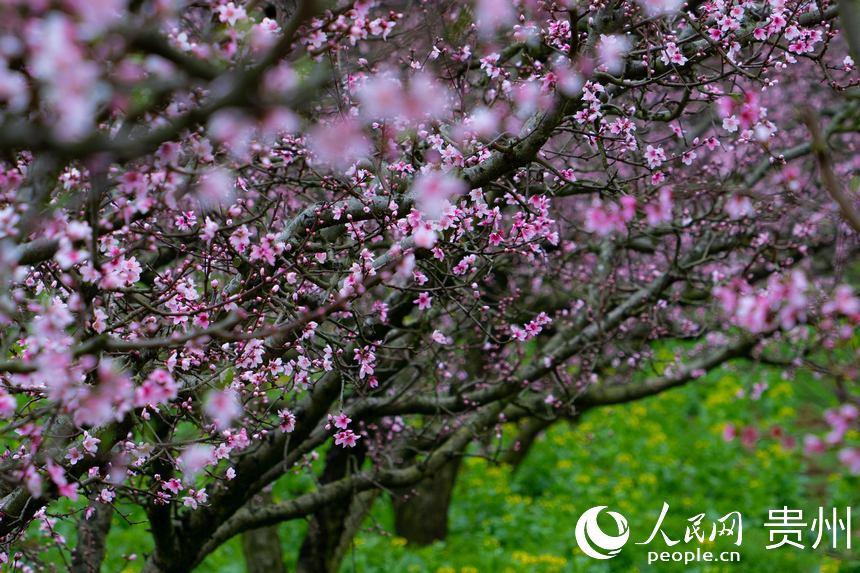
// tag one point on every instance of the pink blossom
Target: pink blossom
(99, 323)
(423, 301)
(241, 239)
(8, 221)
(850, 458)
(288, 421)
(215, 189)
(90, 443)
(194, 459)
(366, 357)
(739, 206)
(660, 7)
(231, 14)
(783, 303)
(107, 495)
(252, 354)
(386, 98)
(843, 302)
(433, 190)
(13, 88)
(33, 480)
(731, 123)
(661, 211)
(493, 14)
(74, 455)
(339, 144)
(210, 228)
(813, 445)
(341, 421)
(611, 51)
(196, 498)
(654, 156)
(346, 439)
(673, 55)
(222, 407)
(264, 35)
(110, 399)
(58, 476)
(172, 485)
(68, 256)
(7, 404)
(440, 338)
(158, 388)
(120, 272)
(424, 236)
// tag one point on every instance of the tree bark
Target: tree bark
(92, 535)
(849, 17)
(358, 510)
(421, 513)
(330, 530)
(529, 430)
(262, 547)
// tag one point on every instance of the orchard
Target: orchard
(248, 243)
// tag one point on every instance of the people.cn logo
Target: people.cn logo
(593, 541)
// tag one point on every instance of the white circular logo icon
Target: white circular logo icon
(591, 538)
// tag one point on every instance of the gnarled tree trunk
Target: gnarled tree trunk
(262, 547)
(421, 512)
(92, 536)
(360, 506)
(330, 530)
